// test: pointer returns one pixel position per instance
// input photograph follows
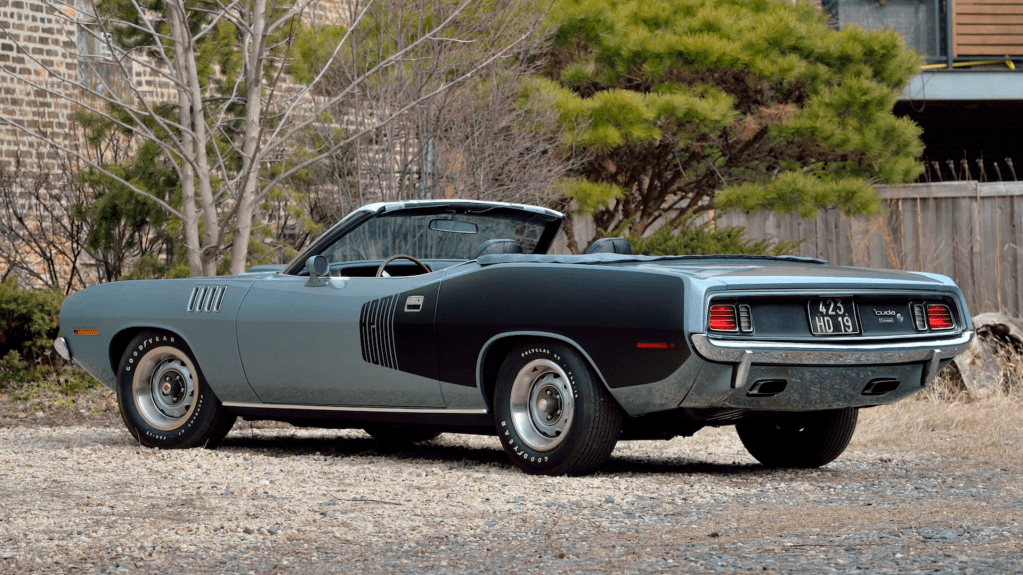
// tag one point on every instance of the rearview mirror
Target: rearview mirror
(453, 226)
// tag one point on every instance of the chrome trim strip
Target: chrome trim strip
(729, 351)
(202, 298)
(192, 298)
(426, 411)
(220, 299)
(739, 292)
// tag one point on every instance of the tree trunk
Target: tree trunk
(190, 216)
(251, 155)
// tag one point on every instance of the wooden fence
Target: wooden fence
(969, 231)
(987, 27)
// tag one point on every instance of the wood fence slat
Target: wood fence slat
(986, 266)
(985, 19)
(997, 28)
(910, 234)
(1014, 253)
(961, 3)
(1006, 263)
(959, 222)
(993, 52)
(965, 41)
(989, 9)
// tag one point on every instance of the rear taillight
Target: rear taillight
(919, 317)
(939, 317)
(722, 318)
(932, 316)
(745, 318)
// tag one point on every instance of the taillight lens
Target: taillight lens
(722, 318)
(939, 317)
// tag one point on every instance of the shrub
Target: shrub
(29, 320)
(693, 237)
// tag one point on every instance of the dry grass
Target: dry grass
(987, 430)
(947, 418)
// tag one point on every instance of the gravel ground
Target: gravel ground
(86, 499)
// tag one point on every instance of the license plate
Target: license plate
(833, 316)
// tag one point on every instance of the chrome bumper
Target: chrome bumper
(746, 353)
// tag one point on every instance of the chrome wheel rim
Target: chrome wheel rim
(542, 404)
(163, 388)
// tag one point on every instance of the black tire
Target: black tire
(806, 440)
(164, 398)
(398, 434)
(552, 414)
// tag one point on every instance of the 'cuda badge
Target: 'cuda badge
(888, 315)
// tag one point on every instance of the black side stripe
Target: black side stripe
(376, 330)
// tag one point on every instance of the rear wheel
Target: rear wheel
(809, 439)
(164, 398)
(553, 416)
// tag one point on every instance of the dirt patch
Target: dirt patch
(93, 407)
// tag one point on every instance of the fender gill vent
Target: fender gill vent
(206, 298)
(376, 330)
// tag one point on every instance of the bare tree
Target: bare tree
(40, 238)
(475, 139)
(234, 110)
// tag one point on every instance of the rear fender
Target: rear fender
(495, 350)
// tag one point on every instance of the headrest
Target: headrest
(610, 246)
(499, 246)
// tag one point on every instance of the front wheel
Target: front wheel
(164, 398)
(809, 439)
(553, 416)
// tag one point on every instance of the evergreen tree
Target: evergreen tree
(685, 106)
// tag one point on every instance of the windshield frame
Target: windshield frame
(550, 219)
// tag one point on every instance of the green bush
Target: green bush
(695, 238)
(29, 321)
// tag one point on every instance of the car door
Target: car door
(352, 342)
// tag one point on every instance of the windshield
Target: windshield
(434, 236)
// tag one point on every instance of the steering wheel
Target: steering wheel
(380, 270)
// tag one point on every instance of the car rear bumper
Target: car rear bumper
(744, 354)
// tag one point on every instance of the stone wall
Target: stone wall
(37, 51)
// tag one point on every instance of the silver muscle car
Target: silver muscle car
(415, 318)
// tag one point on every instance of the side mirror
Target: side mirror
(318, 267)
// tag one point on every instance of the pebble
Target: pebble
(90, 500)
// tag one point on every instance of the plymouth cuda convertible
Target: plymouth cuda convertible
(416, 318)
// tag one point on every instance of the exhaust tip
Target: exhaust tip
(767, 387)
(881, 386)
